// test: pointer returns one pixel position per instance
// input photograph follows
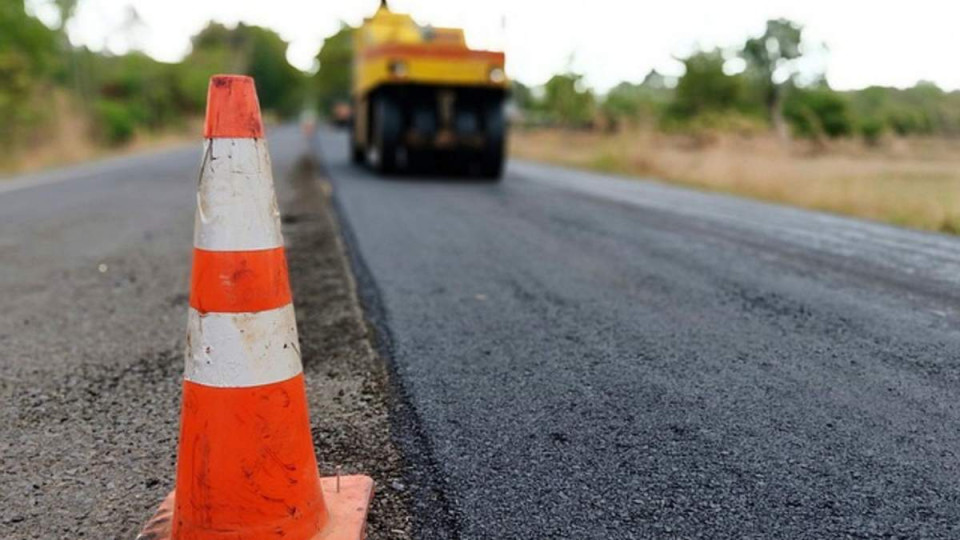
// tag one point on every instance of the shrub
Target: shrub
(872, 129)
(814, 112)
(116, 123)
(706, 88)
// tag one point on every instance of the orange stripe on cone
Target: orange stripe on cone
(246, 464)
(239, 281)
(232, 108)
(246, 468)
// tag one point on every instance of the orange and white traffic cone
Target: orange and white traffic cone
(246, 468)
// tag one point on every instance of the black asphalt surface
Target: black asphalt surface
(583, 356)
(94, 270)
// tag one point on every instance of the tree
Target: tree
(251, 50)
(567, 100)
(623, 102)
(635, 102)
(279, 85)
(28, 54)
(332, 81)
(522, 96)
(705, 87)
(818, 111)
(771, 60)
(66, 9)
(923, 109)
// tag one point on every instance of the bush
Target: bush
(116, 122)
(872, 129)
(27, 60)
(814, 112)
(567, 101)
(332, 81)
(635, 103)
(705, 88)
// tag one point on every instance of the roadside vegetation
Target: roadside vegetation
(62, 103)
(912, 182)
(770, 83)
(750, 121)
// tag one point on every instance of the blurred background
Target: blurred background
(848, 107)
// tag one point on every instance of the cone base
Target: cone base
(347, 510)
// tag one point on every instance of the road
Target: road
(93, 267)
(584, 356)
(572, 355)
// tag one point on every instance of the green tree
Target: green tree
(133, 91)
(250, 50)
(817, 112)
(28, 55)
(522, 96)
(66, 8)
(280, 86)
(629, 102)
(924, 109)
(705, 87)
(567, 100)
(771, 60)
(332, 81)
(931, 108)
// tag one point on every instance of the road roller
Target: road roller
(423, 99)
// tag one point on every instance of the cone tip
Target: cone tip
(232, 108)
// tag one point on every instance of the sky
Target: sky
(892, 43)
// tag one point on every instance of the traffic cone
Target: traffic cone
(246, 468)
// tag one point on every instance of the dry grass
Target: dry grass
(914, 183)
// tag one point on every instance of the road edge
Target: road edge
(434, 514)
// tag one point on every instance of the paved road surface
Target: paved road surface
(590, 357)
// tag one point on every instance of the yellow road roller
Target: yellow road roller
(423, 99)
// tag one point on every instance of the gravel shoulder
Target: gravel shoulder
(347, 383)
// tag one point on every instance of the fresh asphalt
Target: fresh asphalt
(584, 356)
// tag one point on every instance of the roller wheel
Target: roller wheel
(357, 155)
(492, 156)
(385, 140)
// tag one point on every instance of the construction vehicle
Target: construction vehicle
(422, 97)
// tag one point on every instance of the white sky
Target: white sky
(893, 43)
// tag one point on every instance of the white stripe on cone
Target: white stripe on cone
(236, 206)
(242, 349)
